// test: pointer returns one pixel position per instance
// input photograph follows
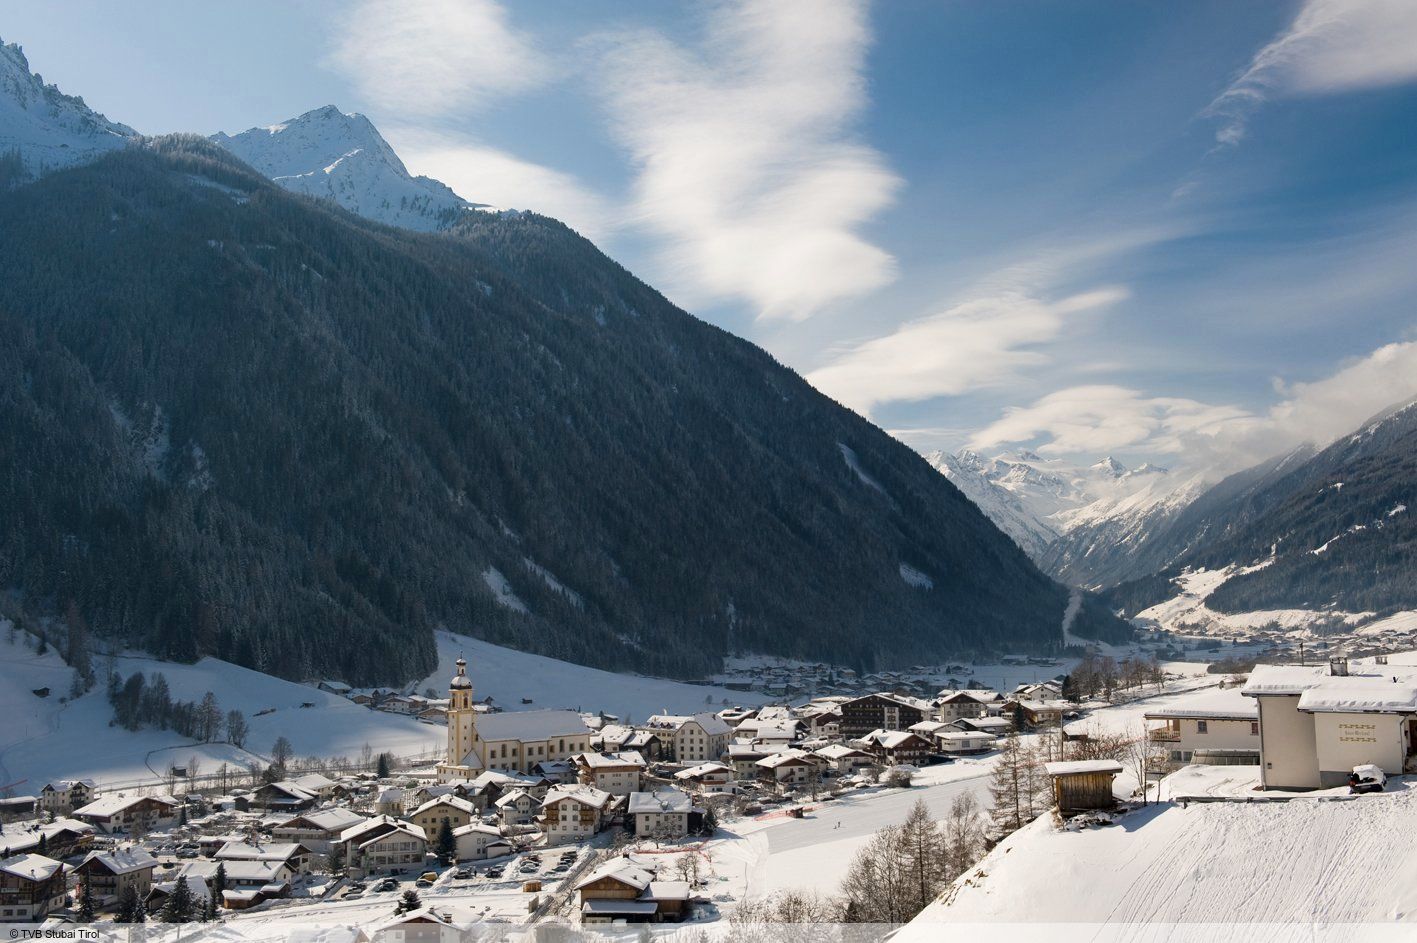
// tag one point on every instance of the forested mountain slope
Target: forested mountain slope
(234, 420)
(1332, 528)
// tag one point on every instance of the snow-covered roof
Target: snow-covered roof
(890, 739)
(712, 724)
(773, 761)
(330, 820)
(462, 805)
(30, 867)
(122, 860)
(839, 751)
(245, 851)
(1360, 696)
(611, 760)
(1076, 767)
(669, 890)
(530, 725)
(314, 782)
(108, 806)
(664, 801)
(478, 828)
(621, 870)
(703, 769)
(509, 798)
(956, 736)
(586, 795)
(1228, 704)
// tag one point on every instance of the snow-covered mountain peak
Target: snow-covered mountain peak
(328, 154)
(46, 129)
(1111, 467)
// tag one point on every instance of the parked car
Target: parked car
(462, 874)
(422, 882)
(387, 884)
(1367, 778)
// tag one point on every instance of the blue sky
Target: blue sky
(1182, 233)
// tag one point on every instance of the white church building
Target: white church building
(512, 741)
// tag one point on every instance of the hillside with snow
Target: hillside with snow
(1082, 523)
(1325, 860)
(52, 737)
(42, 127)
(330, 155)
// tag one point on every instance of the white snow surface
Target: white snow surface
(502, 590)
(1324, 859)
(341, 157)
(48, 129)
(43, 738)
(509, 676)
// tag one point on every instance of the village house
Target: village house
(956, 705)
(994, 726)
(199, 887)
(391, 801)
(621, 891)
(62, 838)
(574, 812)
(335, 687)
(1215, 728)
(285, 795)
(744, 757)
(111, 873)
(432, 814)
(515, 741)
(30, 887)
(707, 778)
(790, 768)
(615, 738)
(424, 925)
(861, 715)
(62, 796)
(517, 807)
(959, 742)
(696, 738)
(897, 747)
(663, 814)
(616, 773)
(1034, 715)
(294, 856)
(317, 830)
(131, 814)
(383, 844)
(844, 760)
(475, 842)
(1318, 722)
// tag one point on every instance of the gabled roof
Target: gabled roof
(619, 869)
(329, 820)
(31, 867)
(839, 751)
(611, 760)
(585, 795)
(530, 725)
(662, 801)
(462, 805)
(703, 769)
(515, 795)
(712, 724)
(108, 806)
(891, 739)
(785, 758)
(122, 860)
(245, 851)
(478, 828)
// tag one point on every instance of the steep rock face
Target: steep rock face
(340, 157)
(240, 422)
(42, 129)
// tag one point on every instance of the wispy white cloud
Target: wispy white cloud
(434, 57)
(1090, 420)
(747, 165)
(1331, 46)
(970, 346)
(487, 175)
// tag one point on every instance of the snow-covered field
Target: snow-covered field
(43, 738)
(1321, 860)
(510, 676)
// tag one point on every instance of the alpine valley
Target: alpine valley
(271, 397)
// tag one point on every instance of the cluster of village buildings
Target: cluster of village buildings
(514, 780)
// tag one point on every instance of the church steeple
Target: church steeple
(462, 719)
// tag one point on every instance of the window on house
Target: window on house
(1254, 728)
(1202, 727)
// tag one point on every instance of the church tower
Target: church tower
(462, 719)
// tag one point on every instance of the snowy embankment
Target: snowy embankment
(510, 676)
(1309, 860)
(44, 738)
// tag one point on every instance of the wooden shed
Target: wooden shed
(1080, 785)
